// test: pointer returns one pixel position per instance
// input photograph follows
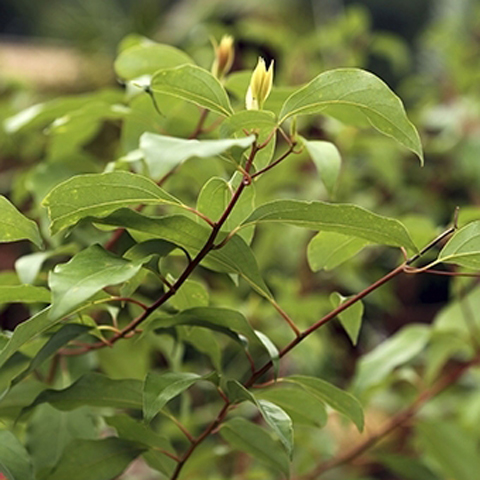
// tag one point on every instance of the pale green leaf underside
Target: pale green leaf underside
(356, 97)
(464, 247)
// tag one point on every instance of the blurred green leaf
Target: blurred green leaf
(23, 294)
(15, 461)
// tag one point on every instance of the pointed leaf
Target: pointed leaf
(346, 219)
(272, 351)
(100, 194)
(15, 226)
(464, 247)
(351, 318)
(14, 459)
(193, 84)
(356, 97)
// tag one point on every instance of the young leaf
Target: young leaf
(356, 97)
(15, 461)
(96, 459)
(345, 219)
(254, 440)
(351, 318)
(23, 294)
(163, 153)
(327, 159)
(85, 274)
(340, 400)
(193, 84)
(400, 348)
(327, 250)
(160, 389)
(99, 194)
(147, 58)
(464, 247)
(15, 226)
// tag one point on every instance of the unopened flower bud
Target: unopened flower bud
(224, 54)
(260, 85)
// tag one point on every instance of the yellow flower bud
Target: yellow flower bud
(260, 85)
(224, 54)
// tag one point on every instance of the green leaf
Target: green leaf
(95, 390)
(356, 97)
(235, 257)
(195, 85)
(99, 194)
(29, 266)
(14, 460)
(160, 389)
(15, 226)
(351, 318)
(375, 366)
(84, 275)
(23, 294)
(190, 295)
(272, 351)
(163, 153)
(464, 247)
(328, 250)
(147, 58)
(129, 429)
(96, 459)
(254, 440)
(303, 407)
(345, 219)
(452, 448)
(327, 159)
(340, 400)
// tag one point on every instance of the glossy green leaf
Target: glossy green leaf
(193, 84)
(328, 250)
(375, 366)
(95, 390)
(303, 407)
(163, 153)
(148, 57)
(96, 459)
(351, 318)
(452, 448)
(340, 400)
(100, 194)
(356, 97)
(15, 226)
(15, 462)
(346, 219)
(272, 351)
(235, 257)
(160, 389)
(23, 294)
(327, 159)
(84, 275)
(464, 247)
(256, 441)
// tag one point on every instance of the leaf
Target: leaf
(351, 318)
(96, 459)
(303, 407)
(29, 266)
(340, 400)
(160, 389)
(463, 248)
(190, 295)
(254, 440)
(147, 58)
(356, 97)
(452, 448)
(328, 250)
(163, 153)
(23, 294)
(195, 85)
(376, 365)
(272, 351)
(99, 194)
(84, 275)
(15, 226)
(14, 459)
(345, 219)
(235, 257)
(129, 429)
(327, 159)
(95, 390)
